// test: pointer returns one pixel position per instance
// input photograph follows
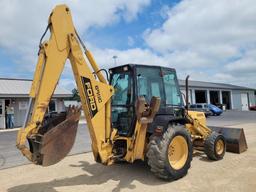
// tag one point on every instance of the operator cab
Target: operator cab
(131, 81)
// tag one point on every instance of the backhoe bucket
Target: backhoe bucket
(235, 138)
(56, 138)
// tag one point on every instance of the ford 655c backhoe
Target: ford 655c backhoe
(138, 113)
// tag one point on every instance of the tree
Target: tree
(75, 95)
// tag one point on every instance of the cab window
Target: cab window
(122, 110)
(123, 88)
(150, 83)
(172, 91)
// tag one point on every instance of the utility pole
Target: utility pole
(115, 58)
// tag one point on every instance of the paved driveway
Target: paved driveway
(230, 118)
(10, 156)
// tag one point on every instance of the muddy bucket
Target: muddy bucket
(55, 138)
(235, 138)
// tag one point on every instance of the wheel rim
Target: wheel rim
(219, 146)
(178, 152)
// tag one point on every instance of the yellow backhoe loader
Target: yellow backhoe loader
(137, 113)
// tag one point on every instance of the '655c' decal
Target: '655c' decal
(90, 98)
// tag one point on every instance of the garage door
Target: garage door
(201, 96)
(244, 99)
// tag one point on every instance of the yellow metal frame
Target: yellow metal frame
(62, 45)
(197, 126)
(136, 144)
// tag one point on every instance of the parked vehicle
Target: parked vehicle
(215, 110)
(202, 107)
(253, 108)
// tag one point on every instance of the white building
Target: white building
(232, 96)
(16, 92)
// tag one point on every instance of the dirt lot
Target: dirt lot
(81, 173)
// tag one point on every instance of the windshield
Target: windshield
(123, 89)
(163, 84)
(214, 107)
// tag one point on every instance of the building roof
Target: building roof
(21, 88)
(202, 84)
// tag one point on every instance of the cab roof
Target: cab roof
(132, 66)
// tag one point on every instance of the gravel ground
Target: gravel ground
(80, 173)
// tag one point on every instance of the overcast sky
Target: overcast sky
(211, 40)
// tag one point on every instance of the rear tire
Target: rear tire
(215, 146)
(170, 156)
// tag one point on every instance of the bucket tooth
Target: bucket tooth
(235, 138)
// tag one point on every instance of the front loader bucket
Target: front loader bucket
(235, 138)
(54, 142)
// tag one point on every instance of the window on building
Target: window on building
(52, 106)
(1, 108)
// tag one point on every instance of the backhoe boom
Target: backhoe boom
(64, 44)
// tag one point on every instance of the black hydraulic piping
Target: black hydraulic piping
(186, 107)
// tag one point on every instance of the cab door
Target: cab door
(2, 114)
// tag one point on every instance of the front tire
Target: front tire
(215, 146)
(170, 156)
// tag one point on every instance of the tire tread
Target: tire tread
(156, 154)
